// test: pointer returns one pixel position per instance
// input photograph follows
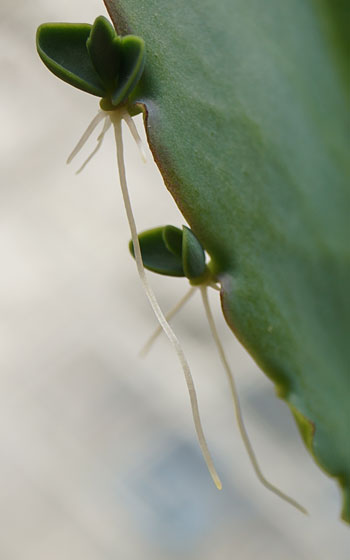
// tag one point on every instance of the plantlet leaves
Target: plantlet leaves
(156, 254)
(173, 239)
(245, 113)
(62, 48)
(168, 250)
(131, 67)
(93, 58)
(104, 48)
(193, 256)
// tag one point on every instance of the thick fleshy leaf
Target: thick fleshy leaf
(131, 67)
(155, 254)
(62, 48)
(119, 61)
(93, 58)
(173, 239)
(246, 108)
(193, 256)
(104, 47)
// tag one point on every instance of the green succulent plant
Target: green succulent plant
(169, 251)
(246, 108)
(93, 58)
(258, 98)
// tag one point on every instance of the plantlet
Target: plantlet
(171, 252)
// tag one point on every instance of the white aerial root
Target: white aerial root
(95, 121)
(149, 343)
(237, 406)
(106, 126)
(116, 118)
(135, 135)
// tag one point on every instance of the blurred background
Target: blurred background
(98, 454)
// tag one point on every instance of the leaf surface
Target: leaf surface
(62, 48)
(246, 107)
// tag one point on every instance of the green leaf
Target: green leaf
(172, 252)
(156, 255)
(131, 67)
(172, 237)
(62, 48)
(246, 107)
(193, 257)
(93, 58)
(104, 47)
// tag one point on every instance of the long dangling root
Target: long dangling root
(146, 348)
(116, 118)
(238, 411)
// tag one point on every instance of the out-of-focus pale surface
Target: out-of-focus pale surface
(99, 458)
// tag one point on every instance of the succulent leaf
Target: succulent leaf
(93, 58)
(173, 239)
(156, 255)
(62, 48)
(104, 47)
(193, 256)
(131, 67)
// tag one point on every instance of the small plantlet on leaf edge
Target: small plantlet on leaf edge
(171, 252)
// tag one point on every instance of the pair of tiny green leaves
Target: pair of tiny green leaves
(93, 58)
(169, 251)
